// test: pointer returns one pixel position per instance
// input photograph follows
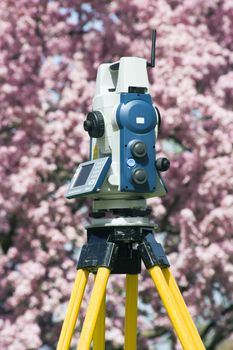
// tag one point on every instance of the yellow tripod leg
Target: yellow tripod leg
(177, 321)
(73, 310)
(131, 312)
(93, 308)
(183, 308)
(99, 332)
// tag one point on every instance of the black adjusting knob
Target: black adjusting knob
(94, 124)
(139, 176)
(162, 164)
(138, 149)
(158, 117)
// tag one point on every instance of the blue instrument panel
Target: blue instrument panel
(137, 119)
(89, 177)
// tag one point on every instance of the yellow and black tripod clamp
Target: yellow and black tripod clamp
(120, 250)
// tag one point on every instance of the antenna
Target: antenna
(115, 66)
(153, 41)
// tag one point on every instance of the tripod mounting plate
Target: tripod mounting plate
(121, 221)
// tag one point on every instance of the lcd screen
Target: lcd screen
(83, 175)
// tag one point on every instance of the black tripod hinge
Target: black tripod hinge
(97, 255)
(152, 253)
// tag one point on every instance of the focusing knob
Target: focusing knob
(159, 117)
(139, 176)
(138, 149)
(162, 164)
(94, 124)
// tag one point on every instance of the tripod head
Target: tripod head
(123, 128)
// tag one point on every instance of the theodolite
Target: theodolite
(123, 128)
(122, 173)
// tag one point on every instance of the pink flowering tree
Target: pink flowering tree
(49, 53)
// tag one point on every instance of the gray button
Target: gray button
(139, 176)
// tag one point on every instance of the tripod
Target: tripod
(119, 249)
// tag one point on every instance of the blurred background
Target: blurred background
(49, 54)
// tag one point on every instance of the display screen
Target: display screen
(83, 175)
